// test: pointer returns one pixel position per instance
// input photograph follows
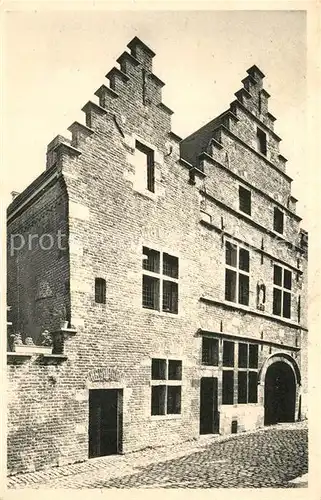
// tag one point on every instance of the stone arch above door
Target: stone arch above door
(285, 358)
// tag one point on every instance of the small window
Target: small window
(243, 355)
(100, 291)
(173, 400)
(150, 292)
(230, 285)
(228, 387)
(278, 221)
(253, 380)
(151, 260)
(231, 254)
(242, 387)
(174, 370)
(253, 355)
(170, 265)
(210, 349)
(145, 163)
(158, 399)
(228, 353)
(170, 297)
(261, 141)
(158, 369)
(245, 200)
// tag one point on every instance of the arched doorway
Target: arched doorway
(279, 393)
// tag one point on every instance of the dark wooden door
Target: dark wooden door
(279, 394)
(105, 422)
(209, 415)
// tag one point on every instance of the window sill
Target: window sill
(146, 194)
(155, 312)
(175, 416)
(167, 382)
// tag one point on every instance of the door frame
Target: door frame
(291, 362)
(121, 391)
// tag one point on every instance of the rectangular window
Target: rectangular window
(145, 164)
(253, 379)
(282, 281)
(244, 374)
(158, 400)
(242, 387)
(150, 292)
(253, 355)
(173, 399)
(261, 141)
(237, 279)
(210, 350)
(228, 387)
(151, 260)
(170, 265)
(100, 291)
(228, 353)
(174, 370)
(244, 200)
(247, 373)
(158, 369)
(160, 281)
(243, 355)
(278, 220)
(170, 297)
(165, 396)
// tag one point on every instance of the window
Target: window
(282, 280)
(145, 165)
(261, 141)
(228, 387)
(166, 386)
(160, 281)
(228, 353)
(278, 220)
(247, 373)
(245, 377)
(237, 274)
(210, 349)
(245, 200)
(100, 291)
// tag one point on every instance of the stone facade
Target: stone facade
(93, 193)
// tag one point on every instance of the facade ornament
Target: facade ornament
(261, 295)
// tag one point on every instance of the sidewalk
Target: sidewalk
(113, 466)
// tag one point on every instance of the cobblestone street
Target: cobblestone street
(270, 457)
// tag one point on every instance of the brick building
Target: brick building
(180, 271)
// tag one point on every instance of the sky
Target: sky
(54, 62)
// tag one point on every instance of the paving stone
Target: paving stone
(267, 458)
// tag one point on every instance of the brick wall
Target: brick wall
(37, 267)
